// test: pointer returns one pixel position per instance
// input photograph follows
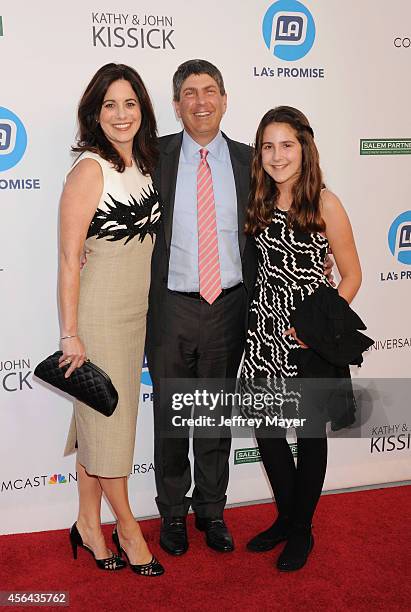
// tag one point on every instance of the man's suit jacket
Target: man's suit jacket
(165, 179)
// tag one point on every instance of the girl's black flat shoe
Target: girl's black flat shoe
(154, 568)
(111, 563)
(297, 550)
(268, 539)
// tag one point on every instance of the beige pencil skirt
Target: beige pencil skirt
(112, 313)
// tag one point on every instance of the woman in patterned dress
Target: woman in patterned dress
(294, 220)
(110, 210)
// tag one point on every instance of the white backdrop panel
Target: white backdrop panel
(47, 56)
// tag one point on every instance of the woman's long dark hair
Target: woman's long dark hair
(304, 212)
(92, 138)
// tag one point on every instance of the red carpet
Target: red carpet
(361, 561)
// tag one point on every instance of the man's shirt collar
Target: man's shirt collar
(191, 148)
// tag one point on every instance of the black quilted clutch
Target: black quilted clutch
(89, 384)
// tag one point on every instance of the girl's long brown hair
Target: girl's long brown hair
(304, 212)
(92, 138)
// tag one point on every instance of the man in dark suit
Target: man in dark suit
(203, 273)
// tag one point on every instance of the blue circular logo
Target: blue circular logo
(13, 139)
(146, 378)
(145, 374)
(288, 30)
(399, 238)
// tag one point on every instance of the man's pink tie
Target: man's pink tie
(208, 259)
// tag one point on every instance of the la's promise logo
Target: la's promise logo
(289, 33)
(399, 238)
(13, 139)
(399, 244)
(288, 30)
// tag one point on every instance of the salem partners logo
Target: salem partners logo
(246, 455)
(252, 455)
(385, 146)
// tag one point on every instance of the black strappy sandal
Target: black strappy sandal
(154, 568)
(111, 563)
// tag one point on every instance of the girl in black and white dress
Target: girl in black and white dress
(294, 220)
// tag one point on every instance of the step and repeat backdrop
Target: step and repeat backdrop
(345, 64)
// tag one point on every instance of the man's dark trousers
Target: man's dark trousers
(200, 341)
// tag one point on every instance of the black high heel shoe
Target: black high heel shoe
(111, 563)
(154, 568)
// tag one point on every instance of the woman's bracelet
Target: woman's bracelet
(65, 337)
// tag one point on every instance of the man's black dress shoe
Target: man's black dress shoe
(217, 535)
(173, 535)
(268, 539)
(295, 553)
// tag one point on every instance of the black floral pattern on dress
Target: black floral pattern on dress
(137, 218)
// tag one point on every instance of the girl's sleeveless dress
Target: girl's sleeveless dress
(290, 267)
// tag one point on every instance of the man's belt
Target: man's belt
(196, 294)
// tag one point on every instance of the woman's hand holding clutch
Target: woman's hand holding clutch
(74, 354)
